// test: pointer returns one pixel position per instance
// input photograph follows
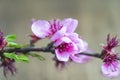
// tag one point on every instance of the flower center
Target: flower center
(109, 59)
(55, 26)
(65, 47)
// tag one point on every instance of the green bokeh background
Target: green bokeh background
(96, 19)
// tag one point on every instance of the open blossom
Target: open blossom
(111, 66)
(43, 28)
(69, 46)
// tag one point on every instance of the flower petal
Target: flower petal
(112, 70)
(41, 28)
(82, 45)
(61, 40)
(70, 23)
(80, 58)
(64, 56)
(59, 34)
(74, 37)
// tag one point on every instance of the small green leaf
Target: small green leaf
(17, 58)
(22, 57)
(10, 38)
(13, 44)
(37, 56)
(9, 55)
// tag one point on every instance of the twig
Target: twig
(48, 48)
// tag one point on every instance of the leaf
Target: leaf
(17, 58)
(9, 55)
(10, 41)
(13, 44)
(37, 56)
(22, 58)
(10, 38)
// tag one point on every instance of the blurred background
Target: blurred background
(97, 18)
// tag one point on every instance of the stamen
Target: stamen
(65, 47)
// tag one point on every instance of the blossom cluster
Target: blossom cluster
(67, 44)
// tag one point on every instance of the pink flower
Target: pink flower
(68, 46)
(43, 28)
(111, 66)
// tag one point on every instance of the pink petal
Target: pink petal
(61, 40)
(82, 45)
(64, 56)
(80, 58)
(70, 23)
(59, 34)
(112, 70)
(41, 28)
(74, 37)
(75, 48)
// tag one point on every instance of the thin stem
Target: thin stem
(48, 48)
(97, 55)
(27, 50)
(43, 49)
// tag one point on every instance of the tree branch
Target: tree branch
(48, 48)
(43, 49)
